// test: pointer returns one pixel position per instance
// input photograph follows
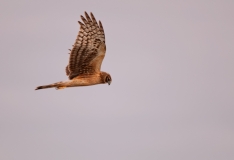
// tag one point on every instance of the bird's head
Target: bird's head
(106, 78)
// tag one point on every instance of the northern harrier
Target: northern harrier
(86, 57)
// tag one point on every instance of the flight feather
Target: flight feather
(89, 48)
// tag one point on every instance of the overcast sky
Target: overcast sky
(172, 94)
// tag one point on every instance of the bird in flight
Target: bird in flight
(86, 57)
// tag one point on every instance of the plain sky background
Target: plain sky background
(172, 94)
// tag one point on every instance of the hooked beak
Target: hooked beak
(109, 82)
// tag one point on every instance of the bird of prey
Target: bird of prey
(86, 57)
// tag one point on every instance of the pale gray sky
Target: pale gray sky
(172, 95)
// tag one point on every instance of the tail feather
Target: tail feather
(47, 86)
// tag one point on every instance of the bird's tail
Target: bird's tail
(56, 85)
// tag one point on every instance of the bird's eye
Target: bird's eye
(108, 78)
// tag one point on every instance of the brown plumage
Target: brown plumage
(86, 57)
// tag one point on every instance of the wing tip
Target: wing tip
(86, 14)
(100, 25)
(80, 23)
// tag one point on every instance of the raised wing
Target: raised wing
(88, 50)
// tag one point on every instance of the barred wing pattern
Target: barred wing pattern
(88, 50)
